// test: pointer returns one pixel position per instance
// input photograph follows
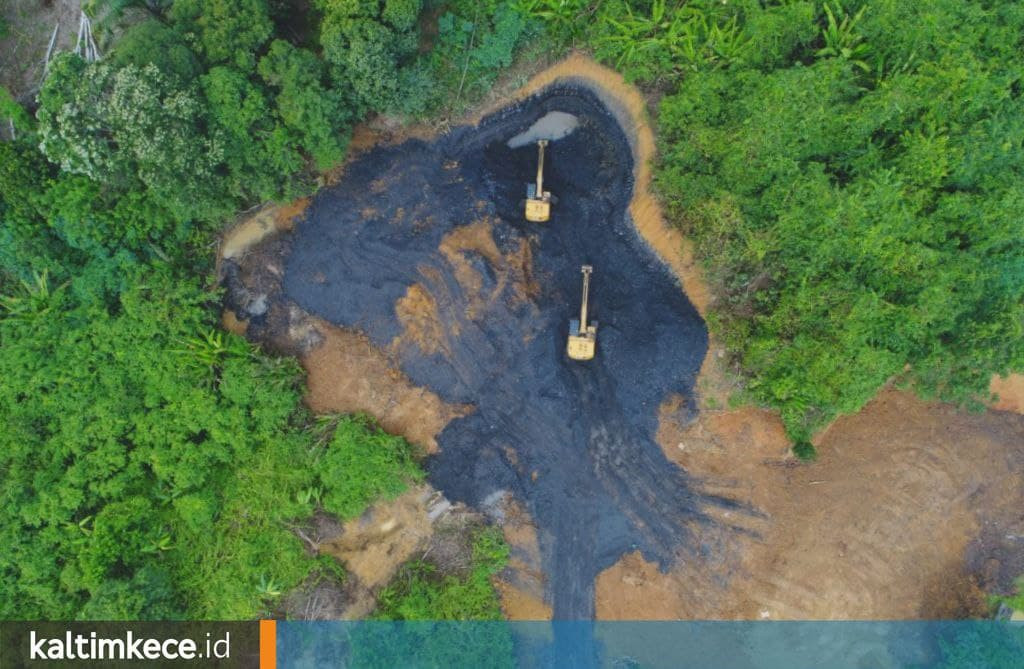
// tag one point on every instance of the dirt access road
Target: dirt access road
(449, 317)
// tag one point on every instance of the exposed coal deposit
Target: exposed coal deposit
(423, 247)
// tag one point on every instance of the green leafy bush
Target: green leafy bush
(856, 223)
(27, 246)
(152, 464)
(805, 451)
(1016, 601)
(475, 41)
(362, 463)
(14, 113)
(419, 592)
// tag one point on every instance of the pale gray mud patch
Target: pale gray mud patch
(552, 126)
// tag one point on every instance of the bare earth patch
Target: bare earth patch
(254, 228)
(522, 584)
(1010, 390)
(347, 374)
(375, 546)
(23, 50)
(879, 527)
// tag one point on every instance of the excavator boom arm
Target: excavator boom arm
(540, 167)
(587, 269)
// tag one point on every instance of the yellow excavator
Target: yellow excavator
(538, 200)
(582, 337)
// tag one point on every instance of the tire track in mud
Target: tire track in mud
(574, 443)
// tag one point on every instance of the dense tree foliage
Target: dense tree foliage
(115, 125)
(852, 173)
(308, 110)
(152, 464)
(475, 40)
(224, 31)
(370, 46)
(153, 42)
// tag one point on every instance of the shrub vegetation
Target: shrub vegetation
(420, 592)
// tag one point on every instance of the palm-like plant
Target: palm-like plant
(163, 544)
(268, 589)
(564, 19)
(36, 298)
(210, 349)
(688, 36)
(841, 37)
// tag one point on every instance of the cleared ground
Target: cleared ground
(423, 248)
(912, 511)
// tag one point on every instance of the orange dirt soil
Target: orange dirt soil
(375, 546)
(421, 322)
(428, 326)
(346, 374)
(1010, 390)
(377, 543)
(254, 228)
(878, 527)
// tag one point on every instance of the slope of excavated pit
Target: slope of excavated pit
(422, 247)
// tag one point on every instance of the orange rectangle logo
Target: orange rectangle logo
(268, 644)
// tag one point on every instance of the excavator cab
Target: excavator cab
(538, 201)
(582, 337)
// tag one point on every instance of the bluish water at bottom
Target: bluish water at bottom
(712, 645)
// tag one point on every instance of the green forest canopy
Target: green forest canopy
(851, 173)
